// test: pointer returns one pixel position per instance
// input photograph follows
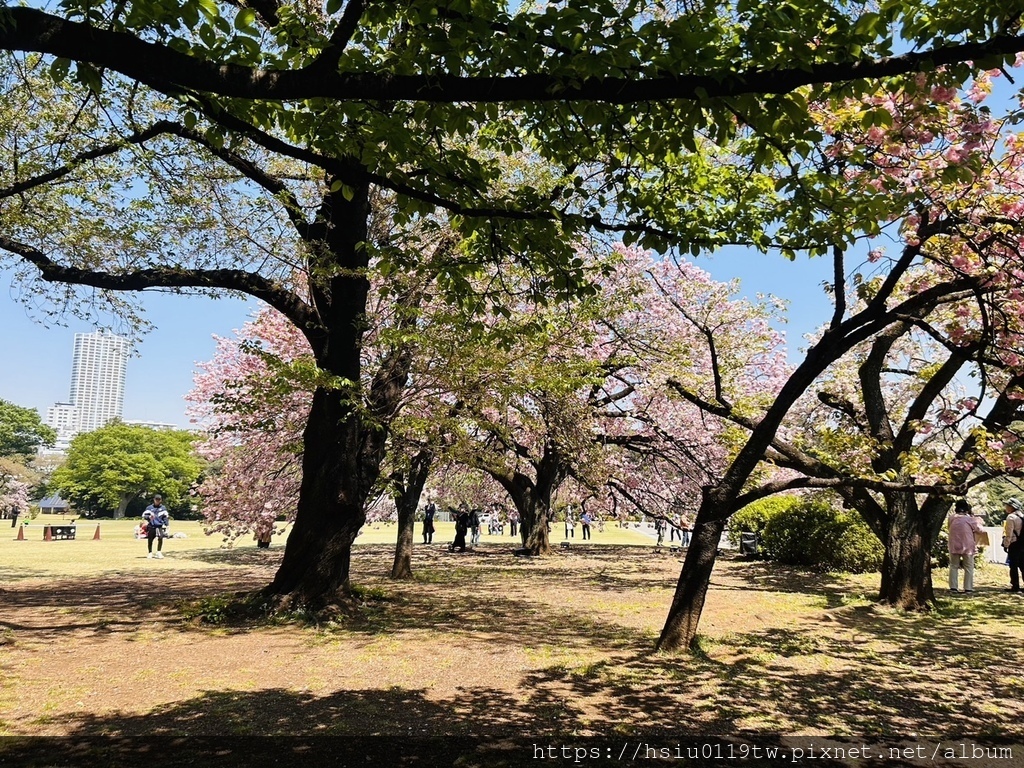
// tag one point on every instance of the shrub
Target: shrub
(753, 517)
(940, 549)
(815, 534)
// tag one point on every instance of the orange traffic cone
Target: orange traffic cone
(21, 533)
(47, 535)
(96, 536)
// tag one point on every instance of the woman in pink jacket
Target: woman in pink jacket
(962, 546)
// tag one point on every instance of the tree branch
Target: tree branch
(138, 137)
(249, 283)
(839, 285)
(769, 489)
(28, 29)
(328, 59)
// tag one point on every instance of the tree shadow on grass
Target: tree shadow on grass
(380, 727)
(473, 605)
(506, 621)
(400, 727)
(873, 673)
(853, 671)
(453, 594)
(238, 557)
(386, 727)
(772, 577)
(489, 591)
(11, 576)
(111, 603)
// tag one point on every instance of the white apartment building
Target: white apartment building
(63, 417)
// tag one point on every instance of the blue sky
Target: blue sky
(36, 369)
(37, 359)
(799, 282)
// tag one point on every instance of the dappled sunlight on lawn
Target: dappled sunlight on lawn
(487, 643)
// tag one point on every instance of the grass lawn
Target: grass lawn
(480, 659)
(118, 550)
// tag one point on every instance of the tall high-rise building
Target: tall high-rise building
(97, 378)
(97, 386)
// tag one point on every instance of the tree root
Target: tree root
(266, 607)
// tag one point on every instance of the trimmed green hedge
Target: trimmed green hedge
(811, 532)
(753, 517)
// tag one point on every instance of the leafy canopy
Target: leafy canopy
(110, 466)
(22, 431)
(664, 123)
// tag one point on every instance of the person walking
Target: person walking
(157, 520)
(586, 521)
(962, 545)
(673, 530)
(570, 523)
(474, 526)
(685, 528)
(1013, 542)
(428, 522)
(461, 526)
(513, 522)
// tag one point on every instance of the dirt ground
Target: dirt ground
(485, 657)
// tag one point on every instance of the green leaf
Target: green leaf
(245, 19)
(209, 8)
(59, 69)
(90, 77)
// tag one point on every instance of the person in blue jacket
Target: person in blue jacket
(157, 520)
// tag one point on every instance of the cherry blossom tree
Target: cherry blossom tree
(925, 401)
(687, 330)
(582, 395)
(931, 401)
(252, 401)
(252, 412)
(207, 202)
(898, 409)
(14, 489)
(587, 401)
(933, 165)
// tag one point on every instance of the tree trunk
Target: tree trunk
(407, 501)
(534, 526)
(533, 498)
(315, 570)
(906, 567)
(401, 568)
(680, 630)
(342, 455)
(533, 502)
